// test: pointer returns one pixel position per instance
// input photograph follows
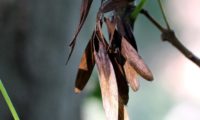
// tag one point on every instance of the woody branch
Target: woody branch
(169, 36)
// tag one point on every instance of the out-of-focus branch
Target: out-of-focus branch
(146, 14)
(169, 35)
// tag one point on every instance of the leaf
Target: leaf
(85, 7)
(107, 78)
(137, 10)
(96, 92)
(85, 67)
(111, 5)
(132, 57)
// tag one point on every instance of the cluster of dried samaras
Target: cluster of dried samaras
(117, 59)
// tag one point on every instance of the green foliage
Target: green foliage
(96, 93)
(8, 101)
(137, 10)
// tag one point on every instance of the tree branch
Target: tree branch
(169, 35)
(146, 14)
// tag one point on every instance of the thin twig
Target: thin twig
(163, 14)
(146, 14)
(169, 35)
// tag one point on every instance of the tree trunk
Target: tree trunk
(33, 43)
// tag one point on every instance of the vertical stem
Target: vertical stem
(163, 14)
(8, 101)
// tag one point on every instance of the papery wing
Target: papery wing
(110, 5)
(125, 28)
(123, 114)
(132, 57)
(121, 79)
(108, 82)
(131, 76)
(115, 39)
(85, 7)
(85, 67)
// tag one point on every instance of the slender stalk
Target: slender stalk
(146, 14)
(163, 14)
(8, 101)
(137, 10)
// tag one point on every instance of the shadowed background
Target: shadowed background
(34, 38)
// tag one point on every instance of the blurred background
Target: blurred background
(34, 38)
